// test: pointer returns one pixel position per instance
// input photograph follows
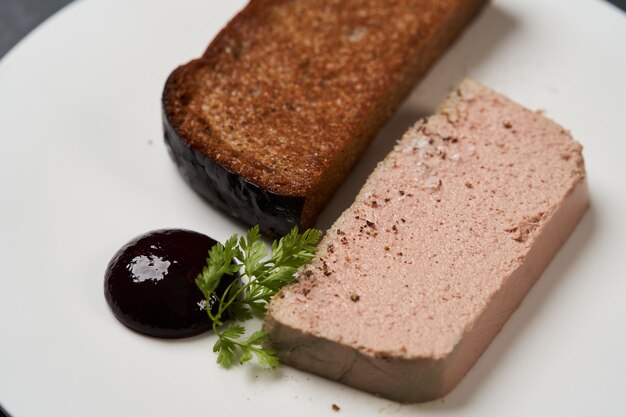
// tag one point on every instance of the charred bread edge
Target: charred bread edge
(276, 214)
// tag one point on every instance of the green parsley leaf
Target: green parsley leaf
(245, 356)
(267, 357)
(239, 311)
(219, 263)
(261, 278)
(257, 338)
(254, 252)
(226, 356)
(233, 331)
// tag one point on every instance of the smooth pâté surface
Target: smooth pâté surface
(442, 242)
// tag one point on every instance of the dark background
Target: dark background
(18, 17)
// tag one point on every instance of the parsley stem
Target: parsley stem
(243, 298)
(223, 304)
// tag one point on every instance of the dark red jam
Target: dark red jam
(150, 283)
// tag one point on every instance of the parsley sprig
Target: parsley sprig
(261, 278)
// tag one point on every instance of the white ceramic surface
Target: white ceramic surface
(83, 169)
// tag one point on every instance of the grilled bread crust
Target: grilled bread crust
(273, 116)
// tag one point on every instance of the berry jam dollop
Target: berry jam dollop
(150, 283)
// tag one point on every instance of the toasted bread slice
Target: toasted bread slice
(449, 233)
(270, 120)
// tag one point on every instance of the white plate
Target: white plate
(83, 169)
